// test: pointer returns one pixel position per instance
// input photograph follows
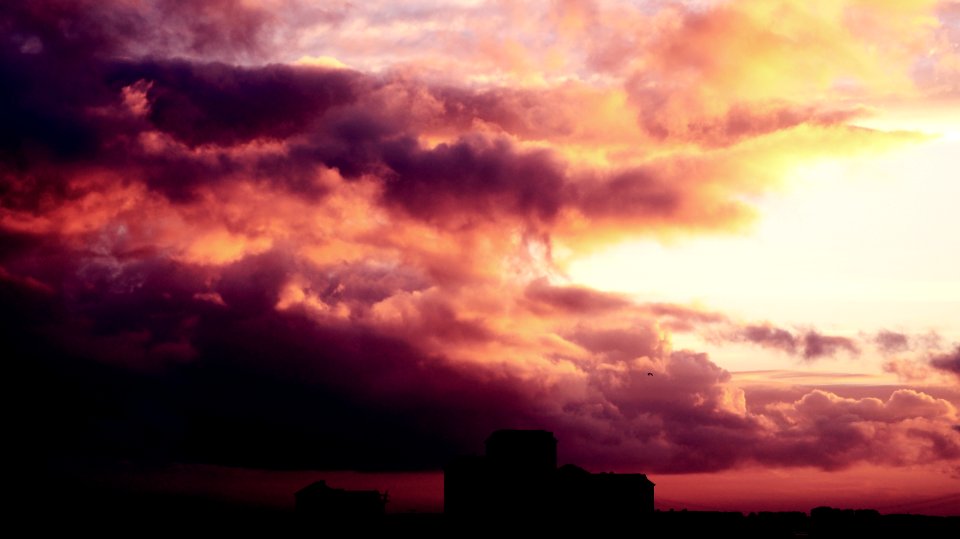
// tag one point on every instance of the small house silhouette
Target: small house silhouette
(518, 477)
(320, 503)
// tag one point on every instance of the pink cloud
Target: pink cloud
(270, 265)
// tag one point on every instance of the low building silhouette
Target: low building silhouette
(518, 477)
(318, 503)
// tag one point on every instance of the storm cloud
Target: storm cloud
(207, 255)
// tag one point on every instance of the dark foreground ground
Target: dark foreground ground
(105, 513)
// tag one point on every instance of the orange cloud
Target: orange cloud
(314, 247)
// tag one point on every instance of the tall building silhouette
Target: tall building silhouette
(524, 451)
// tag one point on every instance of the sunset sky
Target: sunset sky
(245, 243)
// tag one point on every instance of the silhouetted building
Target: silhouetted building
(518, 476)
(609, 495)
(320, 503)
(523, 451)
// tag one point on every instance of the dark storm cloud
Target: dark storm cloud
(891, 341)
(152, 370)
(54, 55)
(63, 103)
(948, 362)
(47, 88)
(247, 385)
(817, 345)
(308, 396)
(86, 99)
(810, 345)
(771, 337)
(183, 278)
(488, 175)
(67, 104)
(227, 105)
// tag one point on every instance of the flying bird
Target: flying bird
(649, 374)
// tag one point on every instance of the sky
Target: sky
(243, 242)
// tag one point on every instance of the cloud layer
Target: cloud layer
(207, 255)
